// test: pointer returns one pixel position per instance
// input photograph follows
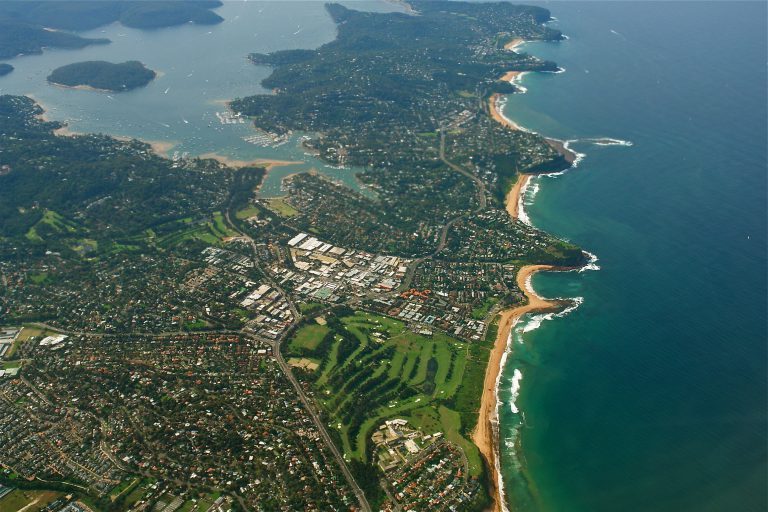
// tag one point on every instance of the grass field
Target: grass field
(18, 499)
(247, 213)
(135, 491)
(125, 487)
(210, 232)
(54, 221)
(279, 206)
(308, 307)
(24, 335)
(373, 369)
(220, 228)
(482, 311)
(308, 338)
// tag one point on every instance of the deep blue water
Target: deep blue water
(651, 396)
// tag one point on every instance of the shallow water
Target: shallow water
(199, 67)
(651, 395)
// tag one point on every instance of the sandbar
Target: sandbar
(259, 162)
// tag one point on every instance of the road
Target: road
(52, 328)
(482, 204)
(323, 432)
(306, 401)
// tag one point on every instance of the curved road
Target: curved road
(308, 404)
(482, 204)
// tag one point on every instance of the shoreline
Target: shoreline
(159, 147)
(496, 112)
(81, 87)
(512, 76)
(515, 196)
(162, 147)
(259, 162)
(486, 434)
(513, 44)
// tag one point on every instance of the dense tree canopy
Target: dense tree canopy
(103, 75)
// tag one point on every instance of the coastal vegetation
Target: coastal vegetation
(381, 301)
(372, 368)
(408, 99)
(87, 16)
(28, 27)
(103, 76)
(55, 189)
(20, 38)
(403, 97)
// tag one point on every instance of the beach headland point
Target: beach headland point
(485, 435)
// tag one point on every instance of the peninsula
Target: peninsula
(323, 350)
(41, 24)
(103, 76)
(446, 167)
(5, 68)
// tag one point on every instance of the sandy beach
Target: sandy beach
(485, 436)
(494, 110)
(514, 196)
(160, 147)
(259, 162)
(511, 76)
(513, 44)
(496, 113)
(80, 87)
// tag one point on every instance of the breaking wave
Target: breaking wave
(608, 141)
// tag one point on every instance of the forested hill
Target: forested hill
(89, 14)
(405, 98)
(29, 26)
(20, 38)
(55, 188)
(5, 68)
(103, 75)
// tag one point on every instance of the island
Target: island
(43, 24)
(171, 340)
(5, 68)
(19, 38)
(103, 76)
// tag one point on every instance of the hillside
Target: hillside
(28, 27)
(103, 75)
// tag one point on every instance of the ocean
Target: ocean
(651, 395)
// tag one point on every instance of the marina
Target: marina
(183, 106)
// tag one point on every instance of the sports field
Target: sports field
(372, 369)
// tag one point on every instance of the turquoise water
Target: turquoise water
(651, 396)
(200, 67)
